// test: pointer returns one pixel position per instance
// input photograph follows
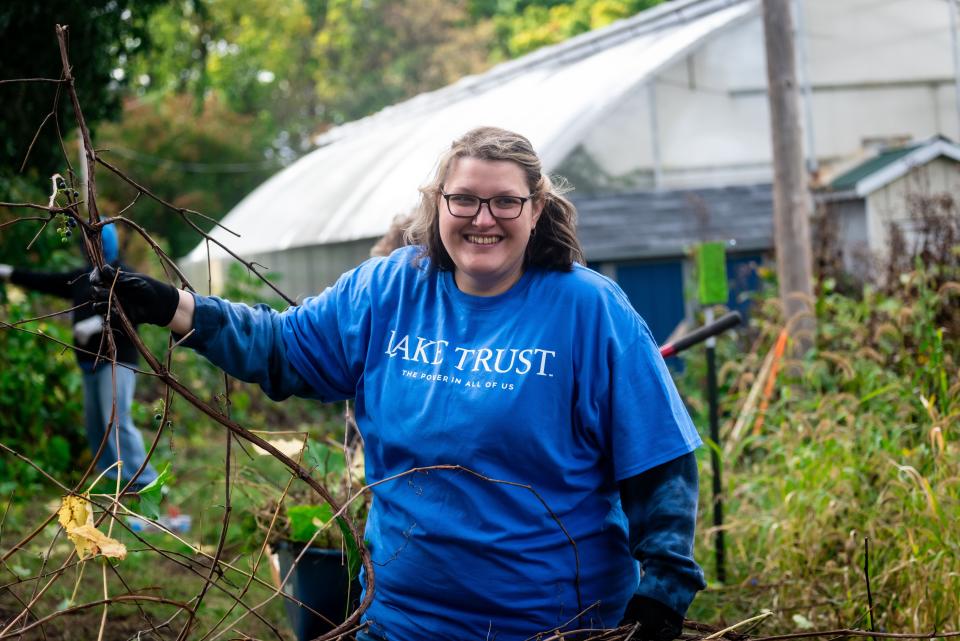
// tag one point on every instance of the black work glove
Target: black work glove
(143, 299)
(657, 621)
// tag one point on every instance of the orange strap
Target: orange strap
(778, 350)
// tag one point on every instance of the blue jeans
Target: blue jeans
(98, 399)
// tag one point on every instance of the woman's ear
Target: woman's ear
(538, 204)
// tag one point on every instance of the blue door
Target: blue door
(656, 291)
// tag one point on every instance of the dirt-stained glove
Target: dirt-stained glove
(143, 299)
(5, 271)
(657, 621)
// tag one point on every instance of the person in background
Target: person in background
(394, 238)
(486, 344)
(99, 391)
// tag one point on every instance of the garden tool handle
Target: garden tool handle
(725, 322)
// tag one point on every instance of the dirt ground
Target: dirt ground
(125, 622)
(83, 626)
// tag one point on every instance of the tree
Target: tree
(230, 90)
(105, 32)
(372, 53)
(200, 156)
(531, 25)
(257, 55)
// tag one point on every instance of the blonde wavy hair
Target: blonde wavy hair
(553, 245)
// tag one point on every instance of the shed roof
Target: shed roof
(664, 223)
(367, 171)
(879, 171)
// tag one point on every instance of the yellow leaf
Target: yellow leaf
(74, 513)
(76, 517)
(98, 540)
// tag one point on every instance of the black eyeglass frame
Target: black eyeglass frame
(523, 200)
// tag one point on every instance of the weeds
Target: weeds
(859, 442)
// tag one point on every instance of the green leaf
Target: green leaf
(150, 496)
(302, 526)
(58, 452)
(324, 459)
(353, 552)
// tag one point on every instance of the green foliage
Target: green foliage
(243, 286)
(371, 53)
(152, 494)
(306, 63)
(523, 27)
(256, 57)
(102, 33)
(41, 413)
(354, 560)
(307, 520)
(41, 387)
(46, 251)
(204, 160)
(325, 460)
(285, 509)
(857, 442)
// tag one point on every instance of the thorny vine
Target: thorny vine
(211, 568)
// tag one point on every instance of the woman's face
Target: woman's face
(487, 252)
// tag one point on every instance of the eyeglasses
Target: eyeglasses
(468, 205)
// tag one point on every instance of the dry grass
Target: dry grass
(859, 441)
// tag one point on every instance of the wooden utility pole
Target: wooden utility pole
(791, 195)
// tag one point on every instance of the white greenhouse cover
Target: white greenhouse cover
(366, 172)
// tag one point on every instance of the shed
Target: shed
(888, 189)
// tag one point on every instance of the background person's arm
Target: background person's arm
(53, 283)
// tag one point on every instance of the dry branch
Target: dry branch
(90, 232)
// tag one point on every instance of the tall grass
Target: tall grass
(859, 441)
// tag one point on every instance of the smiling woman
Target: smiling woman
(487, 349)
(487, 249)
(481, 215)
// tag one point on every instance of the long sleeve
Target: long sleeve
(246, 342)
(53, 283)
(661, 508)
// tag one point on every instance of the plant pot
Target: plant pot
(321, 581)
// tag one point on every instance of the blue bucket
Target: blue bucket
(321, 581)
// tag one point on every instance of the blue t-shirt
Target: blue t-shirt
(546, 395)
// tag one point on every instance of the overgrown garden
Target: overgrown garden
(842, 481)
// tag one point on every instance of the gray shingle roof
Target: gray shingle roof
(660, 224)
